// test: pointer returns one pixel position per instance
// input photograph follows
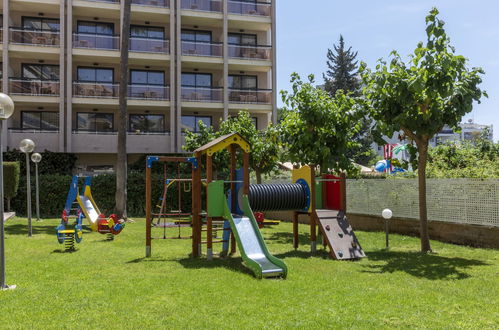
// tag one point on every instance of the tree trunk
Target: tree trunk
(8, 204)
(258, 174)
(121, 159)
(423, 214)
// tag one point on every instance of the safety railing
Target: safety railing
(152, 3)
(192, 48)
(95, 89)
(202, 94)
(34, 87)
(148, 92)
(149, 45)
(250, 52)
(202, 5)
(256, 96)
(95, 41)
(35, 37)
(249, 8)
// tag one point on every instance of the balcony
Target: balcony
(253, 96)
(96, 41)
(250, 52)
(148, 92)
(152, 3)
(202, 94)
(191, 48)
(95, 89)
(34, 37)
(149, 45)
(33, 87)
(249, 8)
(202, 5)
(45, 139)
(111, 1)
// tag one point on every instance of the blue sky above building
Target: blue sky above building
(306, 29)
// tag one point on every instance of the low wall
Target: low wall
(456, 233)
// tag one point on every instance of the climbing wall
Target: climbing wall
(339, 235)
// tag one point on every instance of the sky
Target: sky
(306, 29)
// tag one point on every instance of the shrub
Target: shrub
(11, 180)
(52, 162)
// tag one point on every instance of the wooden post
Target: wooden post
(295, 230)
(313, 227)
(343, 191)
(246, 173)
(196, 208)
(233, 168)
(148, 211)
(209, 220)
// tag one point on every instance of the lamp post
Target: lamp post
(6, 110)
(27, 146)
(36, 158)
(387, 215)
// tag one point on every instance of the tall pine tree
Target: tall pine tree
(342, 74)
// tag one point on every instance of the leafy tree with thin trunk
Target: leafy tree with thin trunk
(121, 159)
(343, 74)
(319, 129)
(435, 88)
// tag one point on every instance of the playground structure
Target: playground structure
(82, 205)
(323, 200)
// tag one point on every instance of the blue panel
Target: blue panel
(151, 160)
(304, 184)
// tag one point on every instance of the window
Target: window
(147, 123)
(41, 23)
(191, 123)
(148, 32)
(196, 36)
(95, 122)
(196, 79)
(255, 121)
(40, 71)
(243, 82)
(101, 75)
(139, 77)
(98, 28)
(242, 39)
(40, 120)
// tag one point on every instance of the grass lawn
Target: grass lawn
(110, 284)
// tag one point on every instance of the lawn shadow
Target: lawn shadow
(429, 266)
(144, 259)
(64, 251)
(320, 253)
(233, 264)
(287, 238)
(22, 229)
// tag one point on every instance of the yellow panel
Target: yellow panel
(69, 231)
(227, 142)
(305, 173)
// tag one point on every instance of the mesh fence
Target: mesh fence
(468, 201)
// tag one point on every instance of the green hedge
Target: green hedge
(11, 172)
(52, 162)
(54, 189)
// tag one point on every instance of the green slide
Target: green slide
(251, 245)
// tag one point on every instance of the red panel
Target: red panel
(333, 192)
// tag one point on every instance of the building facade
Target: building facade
(189, 60)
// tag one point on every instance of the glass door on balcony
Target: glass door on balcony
(148, 39)
(37, 79)
(40, 120)
(147, 123)
(198, 87)
(147, 84)
(98, 35)
(94, 82)
(38, 31)
(191, 123)
(95, 122)
(199, 43)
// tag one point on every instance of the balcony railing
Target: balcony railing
(148, 92)
(202, 94)
(249, 8)
(202, 48)
(34, 37)
(33, 130)
(255, 96)
(149, 45)
(203, 5)
(111, 1)
(95, 41)
(95, 89)
(153, 3)
(250, 52)
(34, 87)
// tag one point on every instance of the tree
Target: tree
(343, 75)
(434, 89)
(319, 129)
(121, 158)
(264, 144)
